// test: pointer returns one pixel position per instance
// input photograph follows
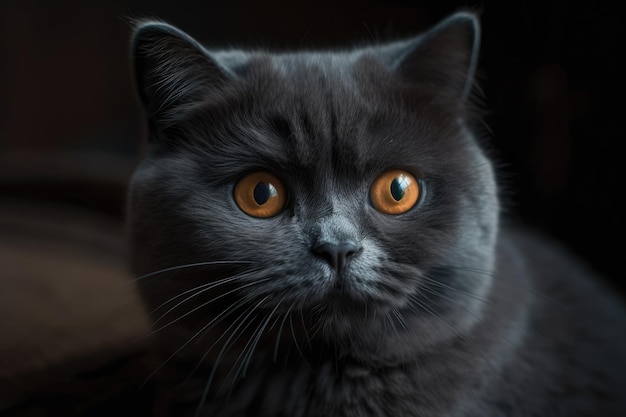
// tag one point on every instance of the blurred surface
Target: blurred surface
(69, 138)
(72, 323)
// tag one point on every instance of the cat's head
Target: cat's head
(343, 187)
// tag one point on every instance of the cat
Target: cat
(318, 233)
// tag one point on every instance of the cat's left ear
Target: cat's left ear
(445, 57)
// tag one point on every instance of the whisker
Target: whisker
(192, 265)
(475, 297)
(208, 285)
(205, 304)
(246, 353)
(438, 294)
(317, 326)
(401, 320)
(512, 281)
(280, 332)
(205, 327)
(449, 287)
(224, 333)
(240, 358)
(207, 386)
(434, 314)
(293, 335)
(258, 338)
(413, 308)
(276, 319)
(306, 334)
(201, 289)
(392, 324)
(421, 304)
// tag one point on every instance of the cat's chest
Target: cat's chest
(329, 390)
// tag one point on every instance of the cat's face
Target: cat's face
(336, 186)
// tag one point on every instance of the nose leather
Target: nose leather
(338, 254)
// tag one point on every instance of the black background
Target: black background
(552, 73)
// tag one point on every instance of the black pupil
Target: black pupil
(261, 193)
(397, 188)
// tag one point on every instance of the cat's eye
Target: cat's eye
(260, 194)
(395, 192)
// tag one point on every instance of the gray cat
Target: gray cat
(317, 234)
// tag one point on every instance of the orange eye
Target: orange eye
(395, 192)
(260, 194)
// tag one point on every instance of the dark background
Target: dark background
(552, 73)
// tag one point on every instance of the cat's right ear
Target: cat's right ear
(173, 72)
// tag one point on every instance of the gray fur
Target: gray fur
(442, 311)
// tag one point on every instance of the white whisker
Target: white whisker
(258, 337)
(205, 327)
(206, 286)
(293, 334)
(224, 333)
(192, 265)
(510, 280)
(207, 386)
(205, 304)
(280, 332)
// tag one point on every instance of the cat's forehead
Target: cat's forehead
(317, 112)
(329, 119)
(347, 108)
(308, 73)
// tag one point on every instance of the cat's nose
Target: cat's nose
(339, 254)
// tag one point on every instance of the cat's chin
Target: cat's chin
(344, 314)
(349, 302)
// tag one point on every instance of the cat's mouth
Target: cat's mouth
(341, 294)
(348, 293)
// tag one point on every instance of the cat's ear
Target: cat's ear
(445, 57)
(172, 70)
